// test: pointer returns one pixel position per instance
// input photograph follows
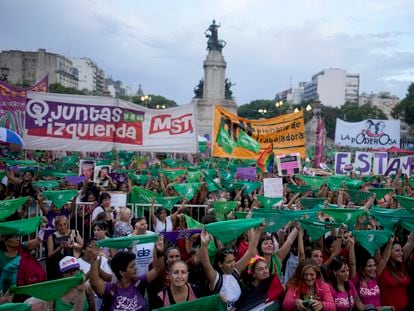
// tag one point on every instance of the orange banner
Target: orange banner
(285, 132)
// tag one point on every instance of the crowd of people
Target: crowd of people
(318, 258)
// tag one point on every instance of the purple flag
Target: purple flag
(246, 173)
(174, 236)
(75, 180)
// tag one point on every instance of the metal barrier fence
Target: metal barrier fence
(81, 218)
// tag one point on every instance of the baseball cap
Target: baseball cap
(68, 263)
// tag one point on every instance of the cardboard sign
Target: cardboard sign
(288, 164)
(273, 187)
(118, 199)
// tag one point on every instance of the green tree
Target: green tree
(59, 88)
(405, 109)
(155, 100)
(251, 110)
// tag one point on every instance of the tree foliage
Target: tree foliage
(59, 88)
(155, 100)
(405, 109)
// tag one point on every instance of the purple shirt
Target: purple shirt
(128, 298)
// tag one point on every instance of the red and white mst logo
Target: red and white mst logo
(175, 126)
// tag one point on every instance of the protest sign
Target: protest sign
(118, 198)
(369, 133)
(285, 132)
(288, 164)
(246, 173)
(74, 122)
(273, 187)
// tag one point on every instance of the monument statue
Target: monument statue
(198, 90)
(213, 42)
(228, 94)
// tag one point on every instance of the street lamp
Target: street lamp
(296, 110)
(146, 99)
(308, 108)
(279, 104)
(4, 73)
(161, 106)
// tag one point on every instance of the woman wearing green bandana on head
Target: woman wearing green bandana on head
(224, 278)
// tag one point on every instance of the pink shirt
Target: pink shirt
(343, 300)
(368, 291)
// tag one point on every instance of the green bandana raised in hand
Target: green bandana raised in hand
(127, 241)
(213, 303)
(139, 179)
(344, 215)
(15, 307)
(372, 240)
(221, 208)
(49, 290)
(46, 184)
(168, 202)
(229, 230)
(20, 227)
(380, 192)
(60, 197)
(8, 207)
(406, 202)
(187, 190)
(268, 202)
(309, 203)
(141, 195)
(316, 229)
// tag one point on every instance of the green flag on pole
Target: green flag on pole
(20, 227)
(212, 303)
(228, 230)
(59, 197)
(49, 290)
(8, 207)
(127, 241)
(225, 142)
(247, 142)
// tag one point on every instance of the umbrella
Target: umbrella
(11, 137)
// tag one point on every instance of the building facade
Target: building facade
(28, 67)
(334, 87)
(91, 77)
(292, 95)
(383, 100)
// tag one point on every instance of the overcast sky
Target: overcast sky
(270, 44)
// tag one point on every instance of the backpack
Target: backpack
(219, 284)
(30, 271)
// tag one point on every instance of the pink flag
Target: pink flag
(319, 148)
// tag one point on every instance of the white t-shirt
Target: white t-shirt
(86, 266)
(144, 256)
(230, 290)
(163, 227)
(97, 210)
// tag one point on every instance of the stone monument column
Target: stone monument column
(215, 88)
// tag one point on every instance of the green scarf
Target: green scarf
(221, 208)
(229, 230)
(388, 218)
(380, 192)
(309, 203)
(315, 182)
(406, 202)
(49, 290)
(213, 303)
(211, 184)
(250, 186)
(46, 184)
(141, 195)
(358, 197)
(56, 173)
(14, 307)
(192, 223)
(227, 176)
(344, 215)
(316, 229)
(127, 241)
(194, 176)
(231, 186)
(268, 202)
(20, 227)
(299, 189)
(8, 207)
(187, 190)
(172, 174)
(274, 220)
(240, 215)
(372, 240)
(168, 202)
(60, 197)
(138, 179)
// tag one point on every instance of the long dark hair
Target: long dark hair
(396, 268)
(336, 264)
